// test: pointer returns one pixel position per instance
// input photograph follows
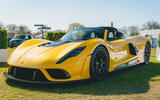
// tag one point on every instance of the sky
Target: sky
(58, 14)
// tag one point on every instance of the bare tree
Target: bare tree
(1, 25)
(134, 30)
(11, 29)
(75, 26)
(124, 29)
(23, 29)
(151, 25)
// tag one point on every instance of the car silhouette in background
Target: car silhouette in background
(18, 39)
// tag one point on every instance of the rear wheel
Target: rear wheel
(147, 53)
(99, 64)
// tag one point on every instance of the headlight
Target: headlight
(73, 53)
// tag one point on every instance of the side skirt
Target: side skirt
(129, 64)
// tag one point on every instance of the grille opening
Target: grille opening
(27, 74)
(58, 74)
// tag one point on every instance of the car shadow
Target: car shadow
(131, 80)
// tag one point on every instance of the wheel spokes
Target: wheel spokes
(100, 64)
(147, 53)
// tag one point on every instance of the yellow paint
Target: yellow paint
(29, 55)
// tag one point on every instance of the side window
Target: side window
(114, 34)
(119, 35)
(26, 37)
(93, 35)
(111, 36)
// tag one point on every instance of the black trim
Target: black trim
(27, 74)
(71, 54)
(58, 73)
(37, 82)
(54, 44)
(132, 49)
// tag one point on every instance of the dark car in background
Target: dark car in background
(18, 39)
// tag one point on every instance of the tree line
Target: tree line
(135, 30)
(13, 29)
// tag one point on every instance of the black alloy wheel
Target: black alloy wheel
(99, 63)
(147, 53)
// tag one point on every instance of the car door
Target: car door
(119, 47)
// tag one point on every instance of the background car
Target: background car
(85, 53)
(18, 39)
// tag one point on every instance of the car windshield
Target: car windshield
(19, 37)
(83, 34)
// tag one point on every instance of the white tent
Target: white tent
(155, 32)
(40, 36)
(158, 54)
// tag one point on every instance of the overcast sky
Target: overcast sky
(60, 13)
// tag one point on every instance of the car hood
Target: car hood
(16, 40)
(35, 56)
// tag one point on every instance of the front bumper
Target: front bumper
(21, 80)
(32, 75)
(8, 76)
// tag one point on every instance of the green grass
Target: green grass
(134, 83)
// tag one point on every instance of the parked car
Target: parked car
(18, 39)
(84, 53)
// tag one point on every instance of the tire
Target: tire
(147, 53)
(99, 64)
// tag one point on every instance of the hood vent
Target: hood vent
(54, 44)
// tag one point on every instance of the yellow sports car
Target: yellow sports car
(85, 53)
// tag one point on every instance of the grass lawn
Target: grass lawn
(135, 83)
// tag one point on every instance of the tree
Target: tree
(159, 37)
(11, 29)
(134, 30)
(124, 29)
(1, 25)
(75, 26)
(149, 36)
(151, 25)
(23, 29)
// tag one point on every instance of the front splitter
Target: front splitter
(8, 76)
(27, 81)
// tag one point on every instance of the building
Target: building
(40, 36)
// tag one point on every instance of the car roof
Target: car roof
(23, 34)
(108, 28)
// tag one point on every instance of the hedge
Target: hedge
(54, 36)
(3, 39)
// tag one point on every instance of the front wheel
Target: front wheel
(99, 64)
(147, 53)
